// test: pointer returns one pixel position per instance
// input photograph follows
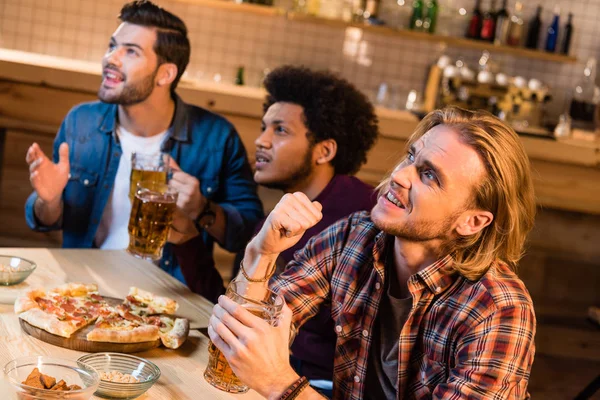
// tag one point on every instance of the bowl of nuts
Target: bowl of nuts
(14, 270)
(122, 376)
(40, 377)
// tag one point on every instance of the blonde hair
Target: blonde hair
(507, 192)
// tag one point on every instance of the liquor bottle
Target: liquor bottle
(474, 29)
(488, 25)
(515, 30)
(239, 78)
(431, 12)
(566, 43)
(552, 37)
(371, 13)
(502, 23)
(583, 106)
(416, 19)
(533, 33)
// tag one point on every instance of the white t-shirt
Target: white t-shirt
(112, 231)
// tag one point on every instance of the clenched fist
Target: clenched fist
(285, 225)
(48, 179)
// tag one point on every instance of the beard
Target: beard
(302, 173)
(131, 94)
(418, 230)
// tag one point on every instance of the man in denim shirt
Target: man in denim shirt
(83, 191)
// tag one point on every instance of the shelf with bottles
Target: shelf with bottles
(450, 41)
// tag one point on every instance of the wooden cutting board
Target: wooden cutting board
(78, 340)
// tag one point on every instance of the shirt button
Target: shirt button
(167, 262)
(365, 333)
(356, 378)
(377, 286)
(209, 189)
(338, 329)
(86, 182)
(116, 155)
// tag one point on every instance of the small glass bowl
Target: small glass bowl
(14, 270)
(142, 369)
(72, 372)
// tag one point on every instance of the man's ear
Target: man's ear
(473, 221)
(325, 151)
(167, 73)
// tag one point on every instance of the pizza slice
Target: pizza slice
(146, 303)
(173, 331)
(121, 326)
(63, 310)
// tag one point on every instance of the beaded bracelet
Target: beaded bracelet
(266, 278)
(294, 389)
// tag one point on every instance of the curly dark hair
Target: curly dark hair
(172, 43)
(333, 109)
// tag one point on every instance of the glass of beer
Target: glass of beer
(260, 301)
(147, 167)
(150, 219)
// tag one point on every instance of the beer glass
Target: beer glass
(260, 301)
(147, 167)
(150, 219)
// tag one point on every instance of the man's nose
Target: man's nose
(114, 57)
(264, 139)
(403, 175)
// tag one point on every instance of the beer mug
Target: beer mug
(260, 301)
(150, 219)
(147, 167)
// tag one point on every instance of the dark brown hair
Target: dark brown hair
(172, 44)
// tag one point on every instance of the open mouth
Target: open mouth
(394, 200)
(112, 78)
(261, 160)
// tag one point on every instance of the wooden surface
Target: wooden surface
(78, 340)
(114, 271)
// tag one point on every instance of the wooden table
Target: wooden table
(114, 271)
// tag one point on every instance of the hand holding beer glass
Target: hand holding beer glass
(260, 301)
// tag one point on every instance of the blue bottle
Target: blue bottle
(552, 38)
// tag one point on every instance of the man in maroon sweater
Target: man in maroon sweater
(316, 132)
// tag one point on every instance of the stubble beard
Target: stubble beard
(131, 94)
(301, 174)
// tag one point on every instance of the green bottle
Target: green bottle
(416, 19)
(431, 11)
(239, 78)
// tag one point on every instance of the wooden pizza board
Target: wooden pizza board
(78, 340)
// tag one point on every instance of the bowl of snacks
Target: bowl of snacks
(122, 376)
(14, 270)
(40, 377)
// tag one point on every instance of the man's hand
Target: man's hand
(189, 200)
(182, 228)
(257, 352)
(286, 224)
(48, 179)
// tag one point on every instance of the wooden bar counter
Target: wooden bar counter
(114, 271)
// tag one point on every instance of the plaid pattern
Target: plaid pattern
(462, 339)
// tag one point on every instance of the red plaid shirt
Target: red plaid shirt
(462, 340)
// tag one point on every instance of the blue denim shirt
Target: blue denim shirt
(204, 145)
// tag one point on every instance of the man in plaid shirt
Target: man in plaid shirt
(423, 289)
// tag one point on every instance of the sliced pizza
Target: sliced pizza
(115, 328)
(173, 331)
(146, 303)
(63, 310)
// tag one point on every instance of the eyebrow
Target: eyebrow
(113, 40)
(275, 122)
(431, 166)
